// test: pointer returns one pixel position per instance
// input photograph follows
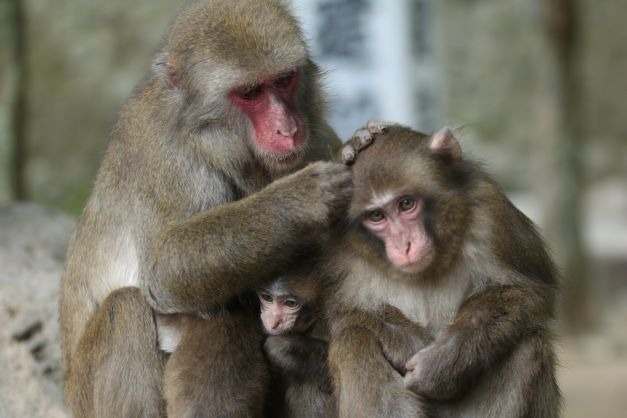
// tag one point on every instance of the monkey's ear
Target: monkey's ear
(444, 142)
(165, 68)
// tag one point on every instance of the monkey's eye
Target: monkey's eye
(375, 216)
(406, 204)
(284, 80)
(266, 297)
(251, 92)
(291, 303)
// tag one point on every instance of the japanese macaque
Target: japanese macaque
(203, 194)
(296, 346)
(289, 304)
(431, 235)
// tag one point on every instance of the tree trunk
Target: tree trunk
(561, 153)
(13, 83)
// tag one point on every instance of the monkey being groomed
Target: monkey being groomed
(205, 192)
(432, 236)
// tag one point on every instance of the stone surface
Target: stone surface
(33, 241)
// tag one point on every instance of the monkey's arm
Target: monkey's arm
(399, 337)
(487, 327)
(205, 260)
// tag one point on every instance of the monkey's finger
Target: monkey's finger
(360, 140)
(378, 126)
(413, 362)
(348, 154)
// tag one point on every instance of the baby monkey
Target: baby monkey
(288, 305)
(295, 348)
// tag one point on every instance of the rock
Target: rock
(33, 241)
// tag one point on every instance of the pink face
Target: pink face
(271, 107)
(279, 314)
(399, 223)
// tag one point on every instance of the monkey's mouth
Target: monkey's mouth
(289, 158)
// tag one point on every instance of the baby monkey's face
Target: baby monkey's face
(283, 312)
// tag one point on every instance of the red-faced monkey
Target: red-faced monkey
(430, 234)
(296, 346)
(183, 218)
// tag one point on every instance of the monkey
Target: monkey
(211, 180)
(296, 345)
(428, 232)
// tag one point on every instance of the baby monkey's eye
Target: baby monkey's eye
(291, 303)
(266, 297)
(375, 216)
(406, 204)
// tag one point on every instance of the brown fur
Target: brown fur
(300, 385)
(180, 206)
(231, 339)
(486, 299)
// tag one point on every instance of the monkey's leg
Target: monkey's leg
(522, 385)
(534, 362)
(117, 370)
(365, 383)
(218, 369)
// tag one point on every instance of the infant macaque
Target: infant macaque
(300, 385)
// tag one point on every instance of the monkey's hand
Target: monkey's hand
(317, 194)
(429, 372)
(400, 337)
(361, 139)
(296, 354)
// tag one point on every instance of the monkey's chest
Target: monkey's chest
(433, 306)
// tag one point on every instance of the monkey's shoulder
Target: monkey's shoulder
(504, 236)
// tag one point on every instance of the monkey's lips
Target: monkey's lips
(288, 159)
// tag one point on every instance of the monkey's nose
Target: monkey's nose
(287, 130)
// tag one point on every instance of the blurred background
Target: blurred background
(535, 88)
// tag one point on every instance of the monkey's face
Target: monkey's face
(406, 198)
(398, 222)
(277, 128)
(281, 313)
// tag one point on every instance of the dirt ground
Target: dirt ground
(593, 370)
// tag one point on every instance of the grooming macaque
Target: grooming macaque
(193, 205)
(296, 346)
(430, 234)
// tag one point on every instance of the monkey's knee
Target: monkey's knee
(217, 370)
(126, 309)
(117, 369)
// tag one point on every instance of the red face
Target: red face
(398, 223)
(271, 107)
